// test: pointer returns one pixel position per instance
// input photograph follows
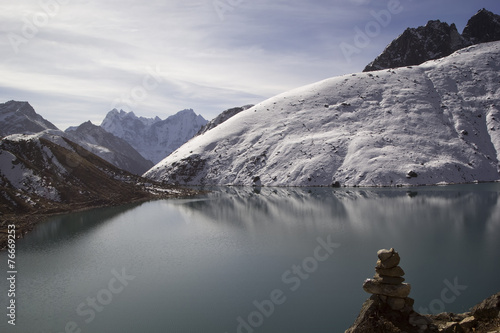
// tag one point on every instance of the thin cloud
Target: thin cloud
(92, 53)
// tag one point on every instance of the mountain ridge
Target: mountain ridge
(436, 40)
(154, 138)
(108, 146)
(19, 116)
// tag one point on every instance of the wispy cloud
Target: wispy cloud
(74, 59)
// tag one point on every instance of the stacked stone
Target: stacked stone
(388, 282)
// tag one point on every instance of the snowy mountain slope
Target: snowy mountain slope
(20, 117)
(434, 123)
(154, 138)
(36, 173)
(109, 147)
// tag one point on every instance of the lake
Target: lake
(253, 259)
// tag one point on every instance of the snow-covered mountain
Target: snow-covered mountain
(109, 147)
(44, 172)
(436, 40)
(154, 138)
(20, 117)
(434, 123)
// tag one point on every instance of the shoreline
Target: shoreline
(25, 222)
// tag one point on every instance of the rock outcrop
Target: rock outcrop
(225, 115)
(390, 310)
(482, 28)
(417, 45)
(436, 40)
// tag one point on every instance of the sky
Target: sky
(75, 60)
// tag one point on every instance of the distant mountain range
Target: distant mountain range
(436, 40)
(44, 170)
(154, 138)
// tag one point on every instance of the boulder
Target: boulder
(487, 309)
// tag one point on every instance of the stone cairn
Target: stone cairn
(388, 284)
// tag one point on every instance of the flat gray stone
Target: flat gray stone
(388, 279)
(373, 287)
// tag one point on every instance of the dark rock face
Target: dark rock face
(376, 316)
(436, 40)
(482, 28)
(487, 309)
(414, 46)
(225, 115)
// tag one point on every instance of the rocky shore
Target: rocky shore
(390, 310)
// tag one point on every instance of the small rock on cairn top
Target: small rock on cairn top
(388, 282)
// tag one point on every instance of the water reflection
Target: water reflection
(63, 229)
(201, 263)
(441, 232)
(363, 211)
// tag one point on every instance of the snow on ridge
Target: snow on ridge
(154, 138)
(434, 123)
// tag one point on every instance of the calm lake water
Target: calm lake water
(242, 260)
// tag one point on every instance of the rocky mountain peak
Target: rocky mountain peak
(416, 45)
(154, 138)
(436, 40)
(483, 27)
(20, 118)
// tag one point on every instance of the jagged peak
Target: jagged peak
(185, 111)
(18, 106)
(483, 27)
(88, 123)
(434, 23)
(435, 40)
